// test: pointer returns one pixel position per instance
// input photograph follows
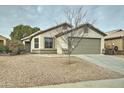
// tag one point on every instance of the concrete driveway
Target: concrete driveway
(107, 61)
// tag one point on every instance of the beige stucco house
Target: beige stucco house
(3, 40)
(55, 40)
(115, 38)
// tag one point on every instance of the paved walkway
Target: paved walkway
(112, 62)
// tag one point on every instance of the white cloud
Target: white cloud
(39, 9)
(107, 17)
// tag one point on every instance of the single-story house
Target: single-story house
(55, 40)
(115, 38)
(3, 40)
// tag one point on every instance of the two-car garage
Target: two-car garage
(84, 41)
(87, 45)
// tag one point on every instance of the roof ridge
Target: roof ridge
(88, 24)
(114, 31)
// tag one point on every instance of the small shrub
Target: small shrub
(16, 47)
(3, 49)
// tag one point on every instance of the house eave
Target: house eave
(4, 37)
(111, 38)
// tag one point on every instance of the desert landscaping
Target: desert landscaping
(35, 70)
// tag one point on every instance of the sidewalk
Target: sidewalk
(110, 83)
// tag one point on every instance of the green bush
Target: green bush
(3, 49)
(16, 47)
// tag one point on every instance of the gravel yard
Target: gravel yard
(35, 70)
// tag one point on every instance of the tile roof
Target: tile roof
(87, 24)
(49, 29)
(114, 34)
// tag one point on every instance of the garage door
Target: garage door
(87, 46)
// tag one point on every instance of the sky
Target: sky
(107, 17)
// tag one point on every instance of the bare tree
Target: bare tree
(75, 17)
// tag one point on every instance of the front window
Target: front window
(36, 43)
(48, 42)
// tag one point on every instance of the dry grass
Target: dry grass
(32, 71)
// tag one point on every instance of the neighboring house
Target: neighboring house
(115, 38)
(50, 41)
(3, 40)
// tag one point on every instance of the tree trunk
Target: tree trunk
(69, 59)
